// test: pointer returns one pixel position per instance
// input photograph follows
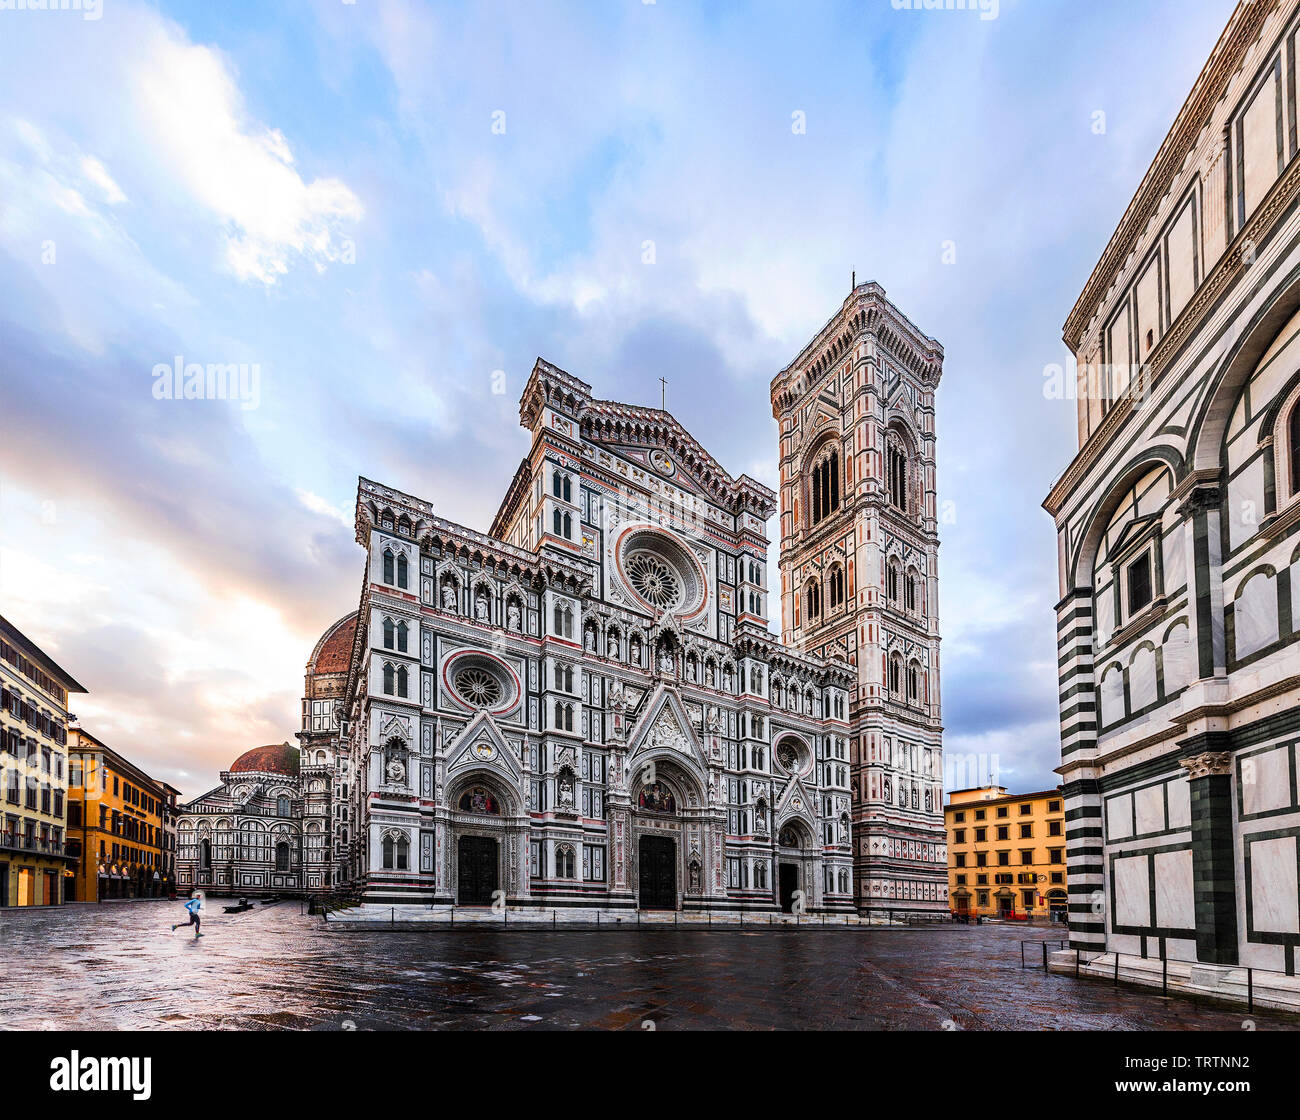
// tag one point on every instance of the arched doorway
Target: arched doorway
(1058, 906)
(668, 834)
(480, 808)
(792, 839)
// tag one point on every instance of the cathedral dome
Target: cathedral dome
(275, 758)
(334, 650)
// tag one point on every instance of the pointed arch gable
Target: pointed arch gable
(1099, 517)
(482, 747)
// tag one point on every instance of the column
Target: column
(1214, 881)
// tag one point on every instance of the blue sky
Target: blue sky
(319, 188)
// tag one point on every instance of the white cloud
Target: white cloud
(240, 170)
(98, 174)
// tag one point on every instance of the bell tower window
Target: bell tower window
(824, 498)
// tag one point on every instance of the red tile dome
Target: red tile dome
(333, 652)
(275, 758)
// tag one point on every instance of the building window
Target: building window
(825, 495)
(837, 585)
(1139, 583)
(813, 599)
(896, 470)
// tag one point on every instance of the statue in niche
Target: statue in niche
(695, 877)
(566, 790)
(512, 615)
(665, 660)
(481, 607)
(395, 771)
(709, 674)
(591, 640)
(448, 596)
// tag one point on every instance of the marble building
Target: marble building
(1178, 531)
(585, 706)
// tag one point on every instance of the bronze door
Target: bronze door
(476, 879)
(658, 873)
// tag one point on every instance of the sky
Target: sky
(387, 211)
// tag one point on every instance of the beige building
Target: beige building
(34, 866)
(1006, 853)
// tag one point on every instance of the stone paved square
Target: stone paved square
(118, 966)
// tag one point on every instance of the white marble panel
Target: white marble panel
(1274, 902)
(1132, 891)
(1149, 810)
(1266, 780)
(1180, 803)
(1175, 898)
(1119, 816)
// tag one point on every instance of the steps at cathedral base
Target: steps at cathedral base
(373, 915)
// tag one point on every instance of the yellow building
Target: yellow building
(117, 824)
(1006, 853)
(33, 744)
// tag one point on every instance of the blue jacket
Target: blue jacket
(194, 905)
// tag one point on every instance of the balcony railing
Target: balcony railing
(16, 841)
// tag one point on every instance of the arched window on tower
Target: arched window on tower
(910, 596)
(401, 637)
(896, 471)
(837, 586)
(896, 674)
(389, 631)
(388, 566)
(891, 581)
(824, 496)
(813, 599)
(401, 569)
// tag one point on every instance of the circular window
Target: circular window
(661, 572)
(653, 579)
(479, 680)
(477, 686)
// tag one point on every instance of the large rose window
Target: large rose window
(661, 572)
(477, 686)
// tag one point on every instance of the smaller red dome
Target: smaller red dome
(275, 758)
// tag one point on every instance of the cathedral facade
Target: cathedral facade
(585, 706)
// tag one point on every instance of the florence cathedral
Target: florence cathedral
(586, 706)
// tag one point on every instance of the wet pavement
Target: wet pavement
(118, 966)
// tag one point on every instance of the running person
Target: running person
(194, 905)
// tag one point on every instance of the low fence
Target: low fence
(1115, 978)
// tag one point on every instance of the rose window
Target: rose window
(477, 686)
(661, 572)
(653, 579)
